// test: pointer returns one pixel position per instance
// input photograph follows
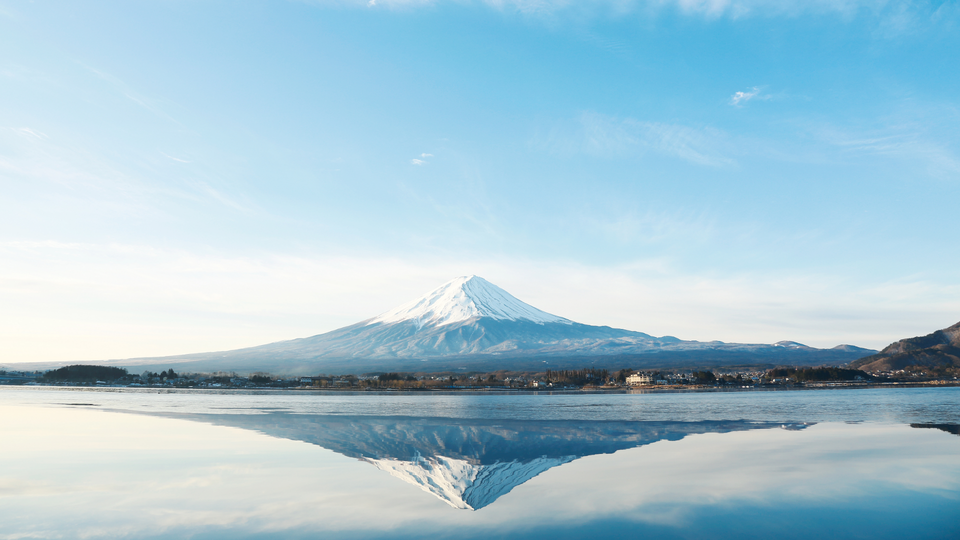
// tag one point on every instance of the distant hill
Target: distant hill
(939, 349)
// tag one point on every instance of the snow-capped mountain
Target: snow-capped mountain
(462, 299)
(470, 323)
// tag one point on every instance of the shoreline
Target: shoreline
(492, 391)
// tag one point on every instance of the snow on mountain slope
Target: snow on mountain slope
(462, 484)
(790, 345)
(465, 298)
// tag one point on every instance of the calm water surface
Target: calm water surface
(103, 463)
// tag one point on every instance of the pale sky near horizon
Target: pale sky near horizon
(183, 176)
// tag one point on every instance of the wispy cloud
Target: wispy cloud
(603, 135)
(653, 226)
(31, 133)
(221, 197)
(742, 97)
(82, 180)
(166, 155)
(889, 18)
(898, 15)
(129, 93)
(421, 160)
(903, 142)
(31, 156)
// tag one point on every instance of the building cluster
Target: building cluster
(19, 377)
(551, 380)
(660, 378)
(420, 381)
(216, 380)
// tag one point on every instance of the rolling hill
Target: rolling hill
(941, 348)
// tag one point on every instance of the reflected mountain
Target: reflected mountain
(468, 463)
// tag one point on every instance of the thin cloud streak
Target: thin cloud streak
(32, 133)
(610, 136)
(221, 197)
(891, 18)
(127, 92)
(175, 158)
(905, 142)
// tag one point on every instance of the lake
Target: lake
(839, 463)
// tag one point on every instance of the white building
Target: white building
(638, 379)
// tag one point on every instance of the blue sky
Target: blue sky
(180, 176)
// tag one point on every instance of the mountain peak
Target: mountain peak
(464, 298)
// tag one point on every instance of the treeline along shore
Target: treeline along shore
(587, 379)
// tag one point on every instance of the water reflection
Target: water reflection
(93, 465)
(949, 428)
(469, 463)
